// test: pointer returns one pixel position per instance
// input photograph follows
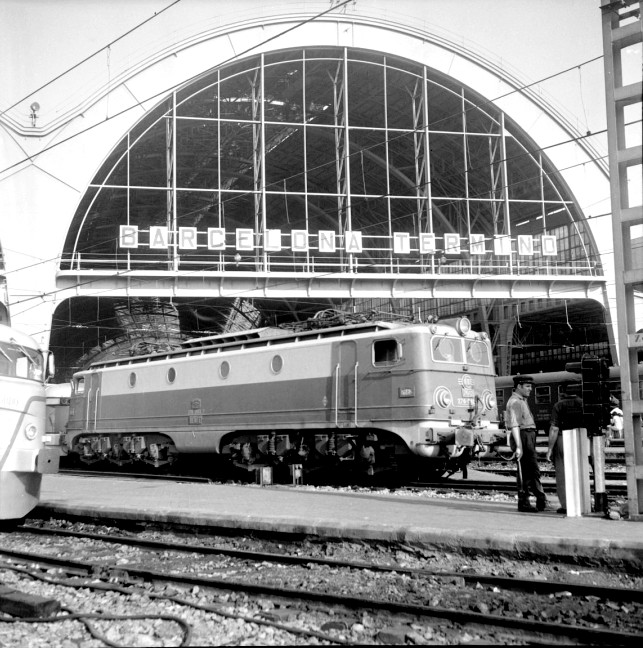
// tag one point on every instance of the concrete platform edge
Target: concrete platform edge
(609, 551)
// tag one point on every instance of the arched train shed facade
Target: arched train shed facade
(337, 162)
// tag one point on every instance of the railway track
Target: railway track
(486, 486)
(617, 490)
(476, 603)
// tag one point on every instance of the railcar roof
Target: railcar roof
(7, 333)
(267, 336)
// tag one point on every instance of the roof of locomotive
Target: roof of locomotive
(270, 334)
(266, 336)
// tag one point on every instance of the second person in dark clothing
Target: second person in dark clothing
(566, 414)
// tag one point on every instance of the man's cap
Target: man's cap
(522, 380)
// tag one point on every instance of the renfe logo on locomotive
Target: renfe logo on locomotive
(328, 241)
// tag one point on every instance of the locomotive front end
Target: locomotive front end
(462, 417)
(26, 451)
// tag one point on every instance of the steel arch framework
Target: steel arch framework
(331, 170)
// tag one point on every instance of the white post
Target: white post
(576, 451)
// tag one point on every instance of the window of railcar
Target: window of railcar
(542, 394)
(20, 362)
(7, 362)
(477, 353)
(79, 386)
(171, 375)
(386, 352)
(446, 349)
(224, 369)
(132, 379)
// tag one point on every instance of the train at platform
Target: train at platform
(547, 391)
(331, 394)
(27, 451)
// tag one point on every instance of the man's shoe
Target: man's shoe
(562, 511)
(526, 508)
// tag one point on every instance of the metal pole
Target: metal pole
(598, 451)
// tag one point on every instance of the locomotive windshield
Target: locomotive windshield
(460, 351)
(447, 349)
(477, 353)
(16, 361)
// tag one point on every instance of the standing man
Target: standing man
(519, 422)
(616, 420)
(566, 414)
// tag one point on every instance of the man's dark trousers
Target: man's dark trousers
(530, 472)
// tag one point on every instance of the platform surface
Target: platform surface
(383, 516)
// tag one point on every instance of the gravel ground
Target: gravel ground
(232, 623)
(235, 621)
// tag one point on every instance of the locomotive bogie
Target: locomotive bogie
(338, 394)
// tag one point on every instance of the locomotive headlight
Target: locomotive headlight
(31, 431)
(442, 397)
(488, 400)
(463, 325)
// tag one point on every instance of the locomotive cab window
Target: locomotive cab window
(386, 352)
(446, 349)
(477, 353)
(79, 386)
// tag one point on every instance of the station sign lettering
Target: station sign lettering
(218, 239)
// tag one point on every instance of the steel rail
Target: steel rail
(581, 633)
(444, 484)
(522, 584)
(500, 486)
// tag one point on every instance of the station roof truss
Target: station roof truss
(328, 171)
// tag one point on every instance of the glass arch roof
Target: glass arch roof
(326, 160)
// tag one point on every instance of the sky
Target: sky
(533, 38)
(60, 44)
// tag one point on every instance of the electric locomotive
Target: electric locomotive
(26, 451)
(368, 395)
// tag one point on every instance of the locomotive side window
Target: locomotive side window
(477, 353)
(132, 379)
(171, 374)
(543, 394)
(446, 349)
(79, 387)
(276, 364)
(224, 369)
(385, 352)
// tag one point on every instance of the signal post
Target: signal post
(596, 407)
